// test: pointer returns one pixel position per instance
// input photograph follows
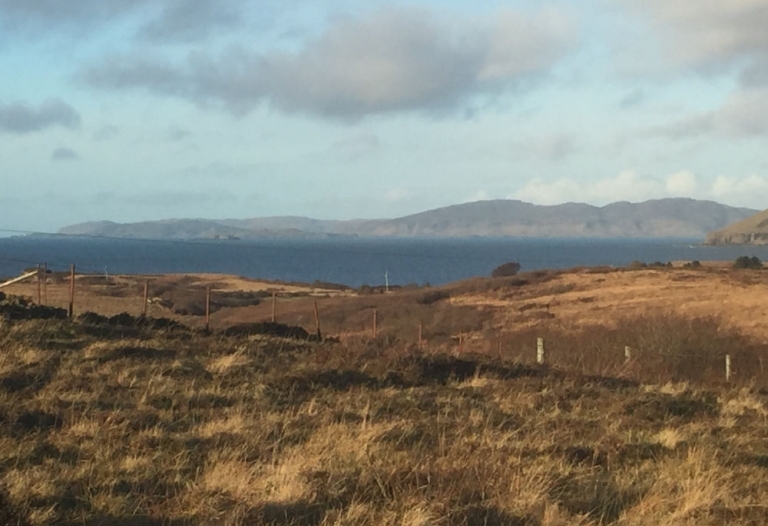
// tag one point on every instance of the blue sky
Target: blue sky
(135, 110)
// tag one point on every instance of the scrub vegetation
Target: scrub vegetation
(102, 423)
(121, 419)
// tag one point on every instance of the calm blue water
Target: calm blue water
(350, 261)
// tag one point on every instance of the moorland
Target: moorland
(130, 420)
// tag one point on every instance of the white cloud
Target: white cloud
(711, 35)
(751, 189)
(390, 60)
(748, 191)
(682, 183)
(626, 186)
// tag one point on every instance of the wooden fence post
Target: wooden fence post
(727, 367)
(540, 351)
(45, 283)
(317, 322)
(461, 343)
(627, 354)
(146, 298)
(71, 291)
(208, 308)
(274, 307)
(375, 324)
(39, 285)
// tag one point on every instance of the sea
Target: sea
(349, 261)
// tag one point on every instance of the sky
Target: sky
(133, 110)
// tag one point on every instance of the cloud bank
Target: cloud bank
(712, 36)
(160, 20)
(21, 118)
(392, 60)
(748, 191)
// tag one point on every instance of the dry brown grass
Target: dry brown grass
(127, 426)
(182, 428)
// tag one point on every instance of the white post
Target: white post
(727, 367)
(540, 351)
(627, 353)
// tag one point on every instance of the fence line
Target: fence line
(542, 357)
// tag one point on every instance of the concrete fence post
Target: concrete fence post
(540, 351)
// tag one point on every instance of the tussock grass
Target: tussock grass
(167, 428)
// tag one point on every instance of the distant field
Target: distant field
(122, 424)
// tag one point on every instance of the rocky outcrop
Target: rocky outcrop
(751, 231)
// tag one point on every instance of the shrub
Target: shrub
(693, 264)
(746, 262)
(510, 268)
(433, 296)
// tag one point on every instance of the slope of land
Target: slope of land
(119, 424)
(658, 218)
(483, 309)
(750, 231)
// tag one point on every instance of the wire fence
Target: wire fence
(661, 350)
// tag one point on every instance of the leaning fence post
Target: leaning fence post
(540, 351)
(727, 367)
(71, 292)
(317, 322)
(627, 353)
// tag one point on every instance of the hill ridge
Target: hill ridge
(669, 217)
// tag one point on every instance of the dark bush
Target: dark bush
(126, 320)
(269, 329)
(746, 262)
(636, 265)
(18, 308)
(507, 269)
(433, 296)
(693, 264)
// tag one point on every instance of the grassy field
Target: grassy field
(118, 424)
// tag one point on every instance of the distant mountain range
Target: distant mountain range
(687, 218)
(750, 231)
